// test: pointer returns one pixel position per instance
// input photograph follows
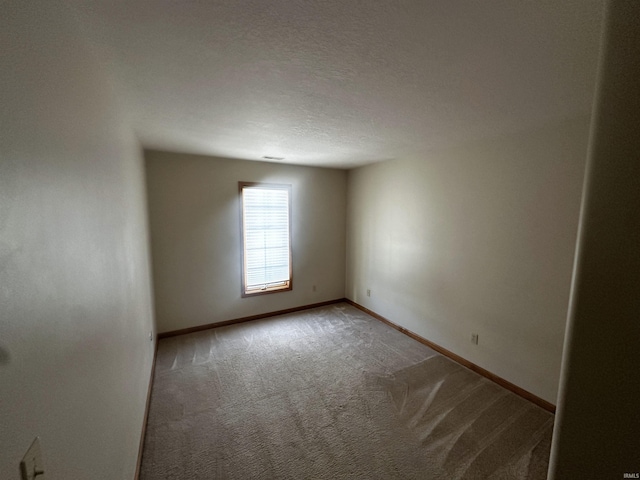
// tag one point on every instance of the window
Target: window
(266, 238)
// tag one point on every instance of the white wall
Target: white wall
(598, 423)
(195, 234)
(75, 298)
(477, 239)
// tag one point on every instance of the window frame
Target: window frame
(285, 286)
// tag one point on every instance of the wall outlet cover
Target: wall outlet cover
(31, 467)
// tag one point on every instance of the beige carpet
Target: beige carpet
(331, 393)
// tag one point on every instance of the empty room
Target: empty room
(296, 239)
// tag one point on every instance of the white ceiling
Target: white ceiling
(341, 83)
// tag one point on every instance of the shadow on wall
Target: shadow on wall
(5, 358)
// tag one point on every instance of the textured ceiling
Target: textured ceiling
(342, 83)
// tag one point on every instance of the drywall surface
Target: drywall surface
(596, 434)
(195, 237)
(477, 239)
(75, 297)
(338, 83)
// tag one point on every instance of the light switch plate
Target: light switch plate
(31, 467)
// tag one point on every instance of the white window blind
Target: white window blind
(267, 257)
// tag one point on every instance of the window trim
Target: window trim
(283, 286)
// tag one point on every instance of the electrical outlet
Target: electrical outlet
(474, 338)
(368, 292)
(313, 288)
(31, 467)
(151, 336)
